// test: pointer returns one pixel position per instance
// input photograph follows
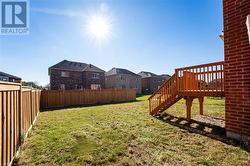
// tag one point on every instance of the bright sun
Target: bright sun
(99, 27)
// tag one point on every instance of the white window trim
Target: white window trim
(95, 86)
(248, 27)
(64, 74)
(96, 76)
(62, 86)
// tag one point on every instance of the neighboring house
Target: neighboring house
(67, 75)
(151, 82)
(166, 76)
(122, 78)
(9, 78)
(32, 84)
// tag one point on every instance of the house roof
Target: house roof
(9, 75)
(75, 66)
(145, 74)
(115, 71)
(166, 76)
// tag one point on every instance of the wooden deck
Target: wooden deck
(189, 83)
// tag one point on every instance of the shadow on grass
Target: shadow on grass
(205, 129)
(56, 108)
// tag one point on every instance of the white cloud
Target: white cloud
(60, 12)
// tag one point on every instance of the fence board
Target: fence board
(60, 99)
(12, 124)
(1, 129)
(9, 127)
(4, 154)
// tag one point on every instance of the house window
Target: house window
(95, 86)
(122, 78)
(2, 78)
(95, 75)
(62, 86)
(64, 74)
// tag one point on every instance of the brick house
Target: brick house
(237, 69)
(9, 78)
(122, 78)
(68, 75)
(151, 82)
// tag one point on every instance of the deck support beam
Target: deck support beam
(201, 100)
(189, 101)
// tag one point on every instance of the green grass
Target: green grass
(142, 97)
(125, 134)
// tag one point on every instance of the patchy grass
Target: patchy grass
(125, 134)
(142, 97)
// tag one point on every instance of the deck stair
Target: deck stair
(189, 83)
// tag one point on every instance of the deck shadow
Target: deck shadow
(205, 129)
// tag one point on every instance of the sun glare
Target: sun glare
(99, 27)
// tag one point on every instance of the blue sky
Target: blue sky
(147, 35)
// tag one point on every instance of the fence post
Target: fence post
(31, 108)
(189, 101)
(201, 100)
(20, 116)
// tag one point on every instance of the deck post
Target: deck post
(201, 100)
(189, 101)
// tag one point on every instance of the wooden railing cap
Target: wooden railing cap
(202, 65)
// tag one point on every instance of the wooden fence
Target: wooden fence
(19, 107)
(61, 99)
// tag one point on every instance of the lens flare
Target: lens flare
(99, 27)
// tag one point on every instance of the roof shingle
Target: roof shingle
(75, 66)
(145, 74)
(115, 71)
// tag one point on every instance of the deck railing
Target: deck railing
(195, 81)
(201, 78)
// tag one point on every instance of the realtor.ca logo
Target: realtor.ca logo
(14, 17)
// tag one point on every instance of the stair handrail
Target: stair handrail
(166, 91)
(164, 84)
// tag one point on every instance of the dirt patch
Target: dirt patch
(212, 120)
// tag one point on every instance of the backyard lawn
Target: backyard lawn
(125, 134)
